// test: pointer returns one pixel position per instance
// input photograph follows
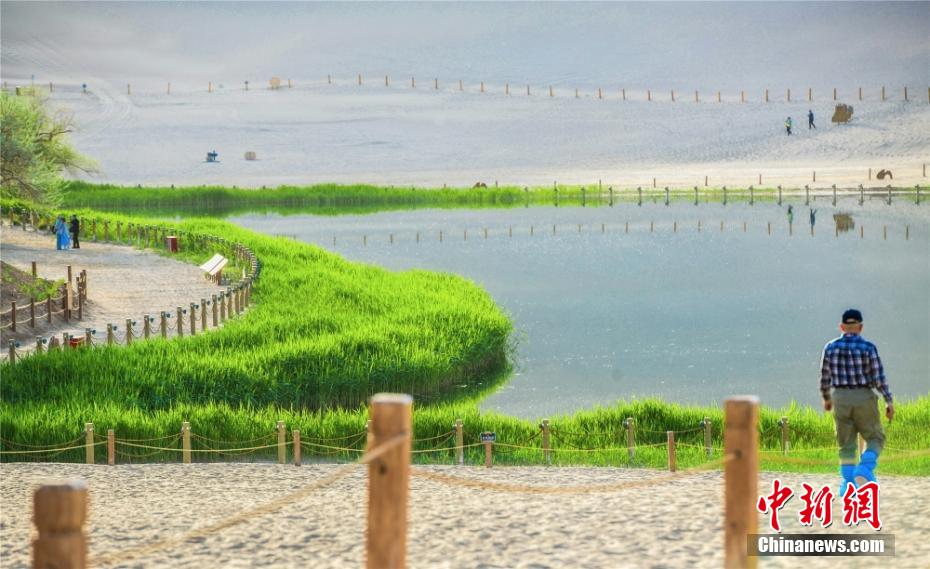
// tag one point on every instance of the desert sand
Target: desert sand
(666, 524)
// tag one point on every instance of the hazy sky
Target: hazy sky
(682, 45)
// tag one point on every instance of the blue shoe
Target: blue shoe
(865, 472)
(848, 472)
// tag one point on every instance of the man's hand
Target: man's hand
(889, 412)
(828, 405)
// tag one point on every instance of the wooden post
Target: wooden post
(48, 309)
(459, 443)
(109, 334)
(576, 93)
(905, 94)
(885, 232)
(907, 232)
(295, 439)
(785, 441)
(169, 87)
(623, 93)
(770, 227)
(741, 479)
(186, 441)
(282, 439)
(481, 89)
(129, 331)
(810, 94)
(222, 297)
(883, 92)
(13, 315)
(708, 427)
(359, 78)
(193, 319)
(388, 482)
(89, 442)
(599, 94)
(630, 442)
(742, 96)
(214, 308)
(648, 95)
(164, 324)
(436, 83)
(766, 95)
(696, 96)
(59, 512)
(209, 86)
(545, 441)
(386, 82)
(413, 83)
(488, 453)
(672, 466)
(111, 447)
(527, 90)
(179, 324)
(461, 88)
(860, 94)
(11, 345)
(146, 326)
(789, 95)
(329, 79)
(718, 97)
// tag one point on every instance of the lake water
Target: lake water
(639, 307)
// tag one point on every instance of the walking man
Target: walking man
(810, 119)
(852, 369)
(788, 125)
(75, 231)
(813, 217)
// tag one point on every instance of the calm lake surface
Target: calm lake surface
(625, 312)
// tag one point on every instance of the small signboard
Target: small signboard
(488, 437)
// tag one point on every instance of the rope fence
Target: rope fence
(233, 301)
(61, 510)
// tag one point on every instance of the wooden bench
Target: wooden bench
(214, 268)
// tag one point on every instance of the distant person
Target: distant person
(813, 217)
(810, 120)
(75, 232)
(790, 214)
(788, 125)
(62, 241)
(852, 369)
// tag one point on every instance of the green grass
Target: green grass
(332, 199)
(322, 336)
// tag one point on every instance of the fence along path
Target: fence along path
(389, 456)
(198, 315)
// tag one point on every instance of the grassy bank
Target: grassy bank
(324, 332)
(332, 199)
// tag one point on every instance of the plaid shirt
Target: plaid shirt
(852, 361)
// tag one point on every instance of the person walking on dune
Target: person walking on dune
(852, 370)
(810, 120)
(788, 125)
(75, 232)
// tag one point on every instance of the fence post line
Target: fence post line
(295, 438)
(708, 435)
(282, 440)
(741, 479)
(89, 442)
(672, 466)
(459, 443)
(111, 447)
(389, 482)
(545, 441)
(59, 513)
(186, 441)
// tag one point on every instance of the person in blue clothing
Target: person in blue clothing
(810, 119)
(788, 125)
(813, 217)
(62, 239)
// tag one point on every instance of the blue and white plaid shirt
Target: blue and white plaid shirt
(852, 361)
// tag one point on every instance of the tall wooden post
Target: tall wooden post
(193, 308)
(741, 479)
(129, 331)
(179, 324)
(388, 482)
(672, 463)
(89, 442)
(630, 439)
(222, 297)
(459, 443)
(488, 454)
(883, 92)
(295, 439)
(186, 442)
(146, 326)
(11, 345)
(111, 447)
(13, 316)
(708, 428)
(59, 512)
(164, 324)
(545, 441)
(110, 337)
(214, 307)
(282, 443)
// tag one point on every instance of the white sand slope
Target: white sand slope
(663, 525)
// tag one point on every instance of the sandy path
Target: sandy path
(666, 525)
(123, 282)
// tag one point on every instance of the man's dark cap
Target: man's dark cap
(852, 316)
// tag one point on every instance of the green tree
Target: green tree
(34, 150)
